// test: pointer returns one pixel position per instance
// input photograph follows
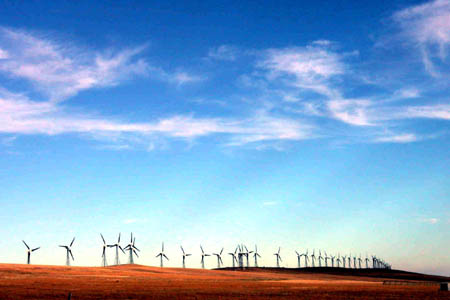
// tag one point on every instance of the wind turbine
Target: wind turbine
(354, 262)
(326, 259)
(132, 249)
(241, 257)
(29, 252)
(313, 258)
(219, 258)
(104, 263)
(343, 260)
(320, 257)
(349, 260)
(233, 256)
(161, 255)
(359, 260)
(278, 257)
(246, 253)
(117, 246)
(298, 258)
(184, 256)
(338, 261)
(367, 261)
(306, 258)
(332, 261)
(203, 257)
(68, 251)
(256, 255)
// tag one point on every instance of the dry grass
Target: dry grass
(140, 282)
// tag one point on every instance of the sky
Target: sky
(287, 124)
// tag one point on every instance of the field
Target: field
(142, 282)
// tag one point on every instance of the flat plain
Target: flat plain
(143, 282)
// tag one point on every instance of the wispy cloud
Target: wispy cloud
(400, 138)
(62, 71)
(427, 26)
(311, 66)
(430, 220)
(223, 52)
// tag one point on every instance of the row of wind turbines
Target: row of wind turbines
(240, 256)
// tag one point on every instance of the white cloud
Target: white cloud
(430, 220)
(62, 71)
(311, 66)
(223, 52)
(351, 111)
(19, 115)
(183, 77)
(400, 138)
(3, 54)
(428, 27)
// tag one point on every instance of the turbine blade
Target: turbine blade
(202, 249)
(118, 240)
(103, 238)
(162, 247)
(280, 258)
(72, 242)
(188, 254)
(131, 240)
(26, 244)
(121, 249)
(136, 248)
(135, 253)
(182, 249)
(35, 249)
(221, 251)
(166, 257)
(70, 251)
(279, 248)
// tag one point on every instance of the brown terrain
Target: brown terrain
(142, 282)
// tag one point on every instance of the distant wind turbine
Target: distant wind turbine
(132, 249)
(184, 256)
(161, 255)
(29, 252)
(104, 263)
(68, 251)
(219, 258)
(203, 257)
(278, 257)
(256, 255)
(117, 246)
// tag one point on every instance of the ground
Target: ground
(142, 282)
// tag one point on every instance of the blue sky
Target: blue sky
(278, 123)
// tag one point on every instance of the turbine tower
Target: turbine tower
(233, 257)
(161, 255)
(326, 259)
(343, 260)
(184, 256)
(298, 258)
(117, 246)
(354, 262)
(203, 257)
(132, 249)
(359, 260)
(338, 262)
(219, 258)
(367, 262)
(320, 258)
(313, 258)
(332, 261)
(68, 251)
(241, 257)
(349, 260)
(104, 263)
(246, 253)
(29, 252)
(278, 257)
(256, 255)
(306, 258)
